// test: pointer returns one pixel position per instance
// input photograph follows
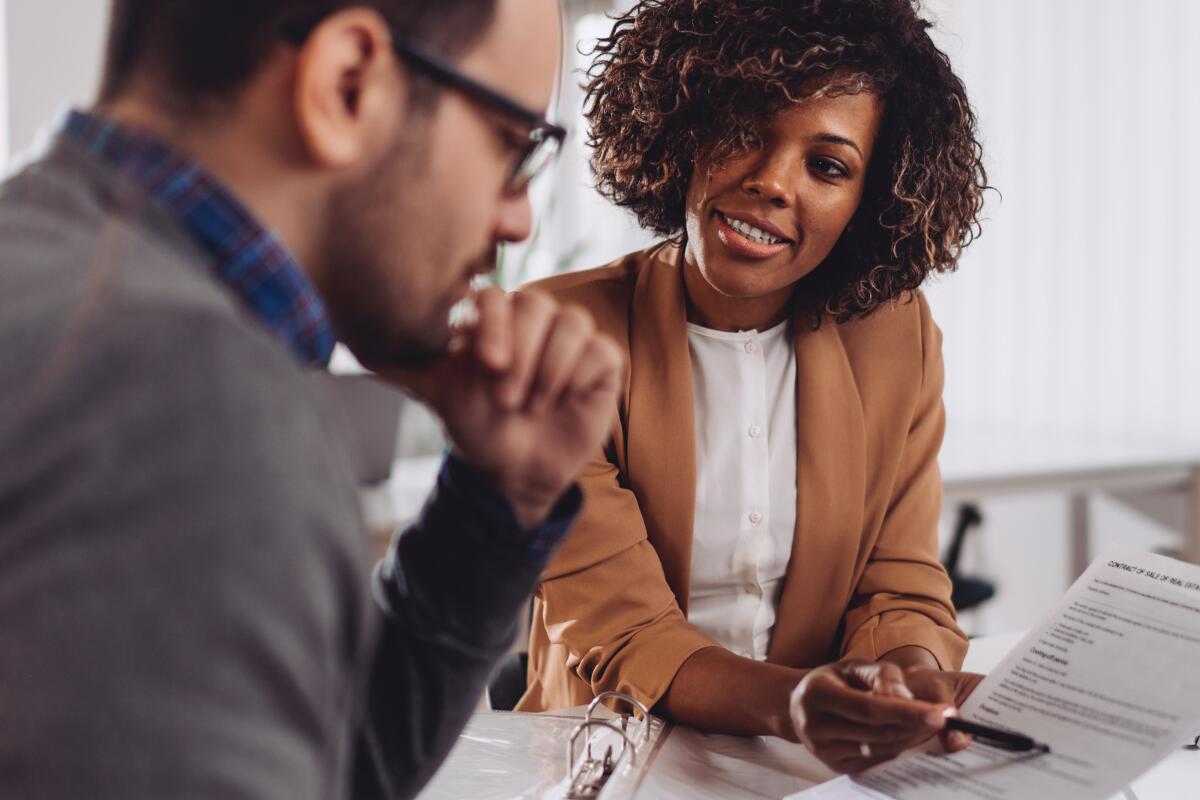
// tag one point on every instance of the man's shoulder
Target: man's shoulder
(123, 323)
(106, 275)
(66, 222)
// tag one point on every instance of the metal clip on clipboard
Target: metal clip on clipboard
(589, 775)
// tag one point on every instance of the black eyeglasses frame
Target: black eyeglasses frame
(545, 137)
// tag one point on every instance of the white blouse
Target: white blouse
(744, 385)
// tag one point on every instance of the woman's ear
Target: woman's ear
(350, 96)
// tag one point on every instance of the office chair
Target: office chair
(968, 591)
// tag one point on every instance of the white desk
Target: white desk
(983, 461)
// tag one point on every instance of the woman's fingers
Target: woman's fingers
(951, 688)
(881, 677)
(851, 756)
(825, 691)
(831, 729)
(853, 714)
(953, 741)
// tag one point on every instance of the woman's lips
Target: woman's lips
(743, 245)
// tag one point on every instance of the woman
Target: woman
(769, 500)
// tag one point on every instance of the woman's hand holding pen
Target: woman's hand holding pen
(945, 688)
(855, 714)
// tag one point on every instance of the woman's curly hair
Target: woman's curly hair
(680, 81)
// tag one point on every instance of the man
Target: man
(185, 599)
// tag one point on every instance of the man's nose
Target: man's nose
(515, 221)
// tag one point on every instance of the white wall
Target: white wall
(53, 52)
(3, 85)
(1075, 309)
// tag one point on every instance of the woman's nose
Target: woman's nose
(773, 177)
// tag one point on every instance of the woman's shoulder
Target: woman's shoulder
(904, 327)
(909, 311)
(606, 291)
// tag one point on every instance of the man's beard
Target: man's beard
(379, 304)
(378, 325)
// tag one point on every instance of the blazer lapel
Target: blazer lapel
(830, 495)
(661, 444)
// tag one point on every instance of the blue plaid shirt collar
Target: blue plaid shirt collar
(248, 258)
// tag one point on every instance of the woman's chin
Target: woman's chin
(742, 283)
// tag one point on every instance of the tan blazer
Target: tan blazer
(864, 576)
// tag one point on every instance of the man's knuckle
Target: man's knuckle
(577, 319)
(533, 301)
(490, 294)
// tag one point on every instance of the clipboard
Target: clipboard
(587, 753)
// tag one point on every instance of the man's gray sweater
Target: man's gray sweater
(186, 602)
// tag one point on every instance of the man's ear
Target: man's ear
(349, 95)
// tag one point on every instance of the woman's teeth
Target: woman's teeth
(752, 233)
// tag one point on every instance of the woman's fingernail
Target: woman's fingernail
(935, 719)
(959, 740)
(949, 711)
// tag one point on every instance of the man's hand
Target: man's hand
(855, 714)
(527, 395)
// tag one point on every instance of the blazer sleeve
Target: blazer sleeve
(903, 596)
(606, 599)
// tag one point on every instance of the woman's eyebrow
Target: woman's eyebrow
(833, 138)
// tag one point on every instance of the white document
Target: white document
(1111, 681)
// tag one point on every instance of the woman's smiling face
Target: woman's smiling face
(761, 220)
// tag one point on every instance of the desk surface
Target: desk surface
(734, 767)
(759, 767)
(700, 766)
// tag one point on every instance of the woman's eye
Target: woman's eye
(830, 168)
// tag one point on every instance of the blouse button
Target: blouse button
(755, 517)
(755, 431)
(751, 347)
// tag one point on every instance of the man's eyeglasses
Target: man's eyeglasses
(545, 138)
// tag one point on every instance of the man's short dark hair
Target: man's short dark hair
(204, 49)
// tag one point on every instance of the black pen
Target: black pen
(1009, 741)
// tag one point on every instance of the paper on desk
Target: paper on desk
(1111, 680)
